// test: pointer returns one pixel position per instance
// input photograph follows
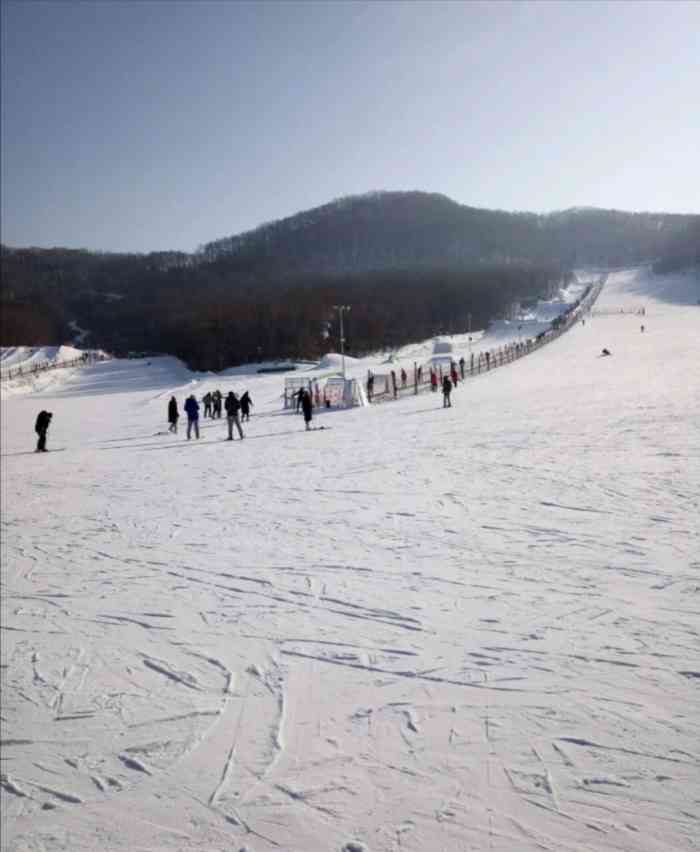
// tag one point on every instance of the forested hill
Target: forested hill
(411, 264)
(408, 229)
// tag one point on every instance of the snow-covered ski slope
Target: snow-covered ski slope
(424, 629)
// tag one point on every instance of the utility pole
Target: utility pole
(340, 309)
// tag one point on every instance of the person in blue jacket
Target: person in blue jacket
(192, 410)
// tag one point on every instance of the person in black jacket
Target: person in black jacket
(307, 408)
(246, 405)
(233, 406)
(41, 427)
(446, 391)
(173, 415)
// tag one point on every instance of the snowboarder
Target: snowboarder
(246, 405)
(233, 406)
(41, 427)
(192, 409)
(446, 391)
(173, 415)
(307, 407)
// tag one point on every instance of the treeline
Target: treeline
(212, 315)
(683, 251)
(410, 264)
(389, 308)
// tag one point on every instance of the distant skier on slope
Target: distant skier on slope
(233, 406)
(246, 405)
(192, 409)
(446, 391)
(207, 400)
(41, 427)
(605, 352)
(216, 401)
(307, 408)
(173, 415)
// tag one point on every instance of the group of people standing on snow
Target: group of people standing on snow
(236, 411)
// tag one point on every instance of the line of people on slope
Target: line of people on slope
(237, 410)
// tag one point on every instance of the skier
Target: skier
(307, 407)
(216, 400)
(433, 379)
(453, 374)
(461, 366)
(446, 391)
(173, 415)
(605, 352)
(192, 409)
(41, 427)
(404, 377)
(393, 381)
(370, 386)
(642, 329)
(246, 405)
(300, 398)
(232, 407)
(206, 399)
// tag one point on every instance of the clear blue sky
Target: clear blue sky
(151, 125)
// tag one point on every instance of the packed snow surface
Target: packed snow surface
(474, 628)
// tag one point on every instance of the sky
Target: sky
(146, 126)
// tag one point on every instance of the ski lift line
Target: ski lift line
(29, 371)
(386, 387)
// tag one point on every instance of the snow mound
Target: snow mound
(333, 361)
(36, 356)
(442, 346)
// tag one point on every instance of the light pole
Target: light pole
(340, 309)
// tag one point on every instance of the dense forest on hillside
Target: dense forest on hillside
(410, 265)
(211, 320)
